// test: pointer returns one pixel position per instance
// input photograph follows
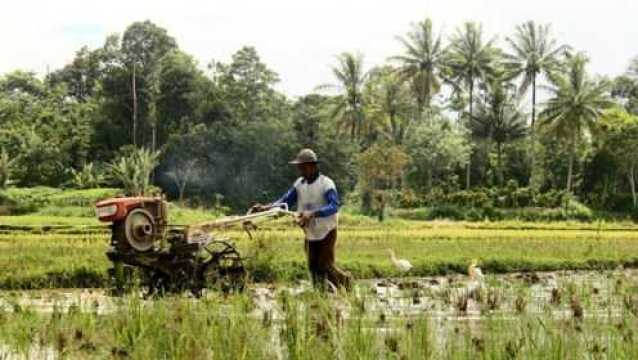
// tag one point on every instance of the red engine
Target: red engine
(138, 222)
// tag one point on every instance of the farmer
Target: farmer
(317, 202)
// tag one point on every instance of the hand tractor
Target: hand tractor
(174, 258)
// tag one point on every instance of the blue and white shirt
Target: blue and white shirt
(319, 196)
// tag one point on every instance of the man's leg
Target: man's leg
(316, 272)
(336, 276)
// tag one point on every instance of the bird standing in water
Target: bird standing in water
(474, 271)
(476, 276)
(402, 265)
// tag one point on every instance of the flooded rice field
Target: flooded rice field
(453, 297)
(588, 313)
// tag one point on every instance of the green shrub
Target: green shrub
(451, 212)
(86, 197)
(90, 176)
(475, 198)
(16, 201)
(550, 199)
(25, 200)
(67, 211)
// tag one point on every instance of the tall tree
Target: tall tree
(625, 87)
(533, 52)
(81, 76)
(422, 63)
(388, 104)
(576, 104)
(247, 85)
(143, 46)
(620, 139)
(348, 108)
(500, 120)
(471, 60)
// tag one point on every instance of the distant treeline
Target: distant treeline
(451, 112)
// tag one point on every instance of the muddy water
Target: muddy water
(453, 297)
(449, 302)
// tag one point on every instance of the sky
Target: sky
(299, 39)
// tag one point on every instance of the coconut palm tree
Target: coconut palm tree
(422, 63)
(348, 107)
(533, 52)
(576, 103)
(499, 119)
(471, 60)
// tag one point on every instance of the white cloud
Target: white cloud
(300, 38)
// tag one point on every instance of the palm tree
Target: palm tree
(533, 53)
(388, 103)
(348, 109)
(499, 119)
(576, 104)
(471, 60)
(422, 63)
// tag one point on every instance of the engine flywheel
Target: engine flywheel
(140, 230)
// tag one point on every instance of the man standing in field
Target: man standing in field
(318, 203)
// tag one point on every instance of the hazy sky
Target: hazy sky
(299, 38)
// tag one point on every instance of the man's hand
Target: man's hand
(305, 218)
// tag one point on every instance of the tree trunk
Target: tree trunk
(153, 118)
(182, 189)
(632, 184)
(381, 213)
(532, 154)
(499, 163)
(533, 101)
(134, 91)
(571, 165)
(468, 168)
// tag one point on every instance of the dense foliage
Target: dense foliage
(139, 111)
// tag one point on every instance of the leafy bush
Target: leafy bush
(475, 198)
(446, 212)
(67, 211)
(550, 199)
(622, 202)
(25, 200)
(133, 171)
(87, 178)
(86, 197)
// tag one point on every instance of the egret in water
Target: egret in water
(474, 271)
(401, 264)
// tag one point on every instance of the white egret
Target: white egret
(476, 277)
(402, 265)
(474, 271)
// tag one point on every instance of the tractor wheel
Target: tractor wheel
(224, 272)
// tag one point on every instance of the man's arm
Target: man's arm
(289, 198)
(332, 206)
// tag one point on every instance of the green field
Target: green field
(508, 316)
(311, 325)
(54, 253)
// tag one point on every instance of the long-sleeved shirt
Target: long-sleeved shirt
(331, 196)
